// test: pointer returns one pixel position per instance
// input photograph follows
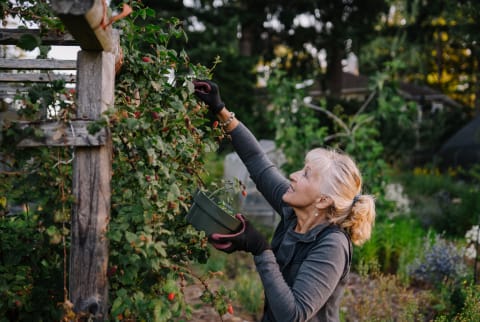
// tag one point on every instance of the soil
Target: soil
(358, 291)
(206, 313)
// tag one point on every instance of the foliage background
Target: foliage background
(163, 145)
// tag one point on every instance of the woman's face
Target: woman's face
(304, 189)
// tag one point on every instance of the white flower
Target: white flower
(394, 192)
(473, 235)
(470, 252)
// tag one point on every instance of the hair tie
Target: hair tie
(355, 199)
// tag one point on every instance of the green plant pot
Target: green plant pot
(206, 215)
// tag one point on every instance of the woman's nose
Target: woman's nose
(293, 175)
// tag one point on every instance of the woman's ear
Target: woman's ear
(324, 202)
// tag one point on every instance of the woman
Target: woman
(304, 270)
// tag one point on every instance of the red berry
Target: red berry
(137, 114)
(230, 308)
(155, 115)
(112, 270)
(146, 59)
(215, 124)
(147, 178)
(171, 296)
(244, 193)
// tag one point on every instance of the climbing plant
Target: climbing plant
(160, 136)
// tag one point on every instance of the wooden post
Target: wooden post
(87, 21)
(88, 285)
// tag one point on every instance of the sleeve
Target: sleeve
(267, 177)
(315, 282)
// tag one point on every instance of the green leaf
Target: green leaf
(159, 247)
(29, 42)
(150, 12)
(132, 123)
(130, 237)
(117, 306)
(115, 235)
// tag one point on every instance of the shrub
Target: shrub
(383, 298)
(442, 202)
(470, 309)
(442, 262)
(31, 270)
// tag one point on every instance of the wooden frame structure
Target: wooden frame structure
(86, 21)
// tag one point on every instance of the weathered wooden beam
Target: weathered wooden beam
(40, 64)
(36, 77)
(75, 133)
(11, 90)
(92, 167)
(13, 36)
(87, 21)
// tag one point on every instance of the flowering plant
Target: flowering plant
(442, 262)
(472, 238)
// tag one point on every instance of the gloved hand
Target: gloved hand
(209, 93)
(247, 239)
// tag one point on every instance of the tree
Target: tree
(338, 27)
(438, 42)
(244, 33)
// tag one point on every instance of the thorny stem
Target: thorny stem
(201, 279)
(124, 143)
(475, 264)
(64, 244)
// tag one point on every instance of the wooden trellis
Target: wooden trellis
(90, 28)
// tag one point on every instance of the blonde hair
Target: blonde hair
(341, 180)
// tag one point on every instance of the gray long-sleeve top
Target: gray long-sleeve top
(304, 275)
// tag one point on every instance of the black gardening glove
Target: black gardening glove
(247, 239)
(209, 93)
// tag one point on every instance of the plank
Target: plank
(36, 77)
(58, 134)
(40, 64)
(11, 90)
(13, 36)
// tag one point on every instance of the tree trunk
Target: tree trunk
(335, 71)
(247, 40)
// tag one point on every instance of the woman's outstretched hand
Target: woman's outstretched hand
(209, 93)
(247, 239)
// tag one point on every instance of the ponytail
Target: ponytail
(360, 221)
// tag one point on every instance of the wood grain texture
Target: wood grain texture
(21, 64)
(74, 133)
(13, 36)
(36, 77)
(85, 19)
(88, 285)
